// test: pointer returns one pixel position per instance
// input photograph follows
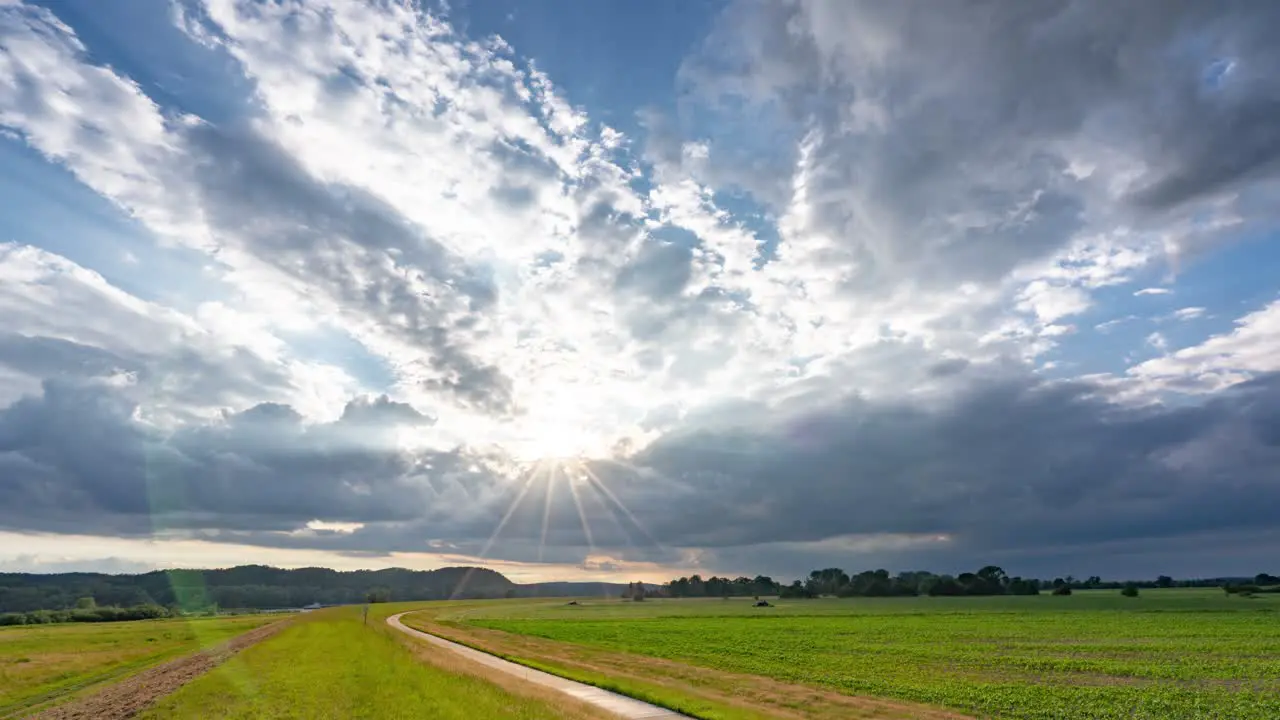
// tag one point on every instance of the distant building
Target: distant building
(312, 606)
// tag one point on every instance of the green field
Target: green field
(1168, 654)
(329, 664)
(44, 662)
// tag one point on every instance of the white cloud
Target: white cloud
(1153, 291)
(1251, 349)
(62, 320)
(1104, 327)
(1188, 313)
(1053, 302)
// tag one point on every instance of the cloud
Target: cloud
(933, 150)
(1005, 463)
(1107, 326)
(1249, 350)
(78, 458)
(816, 331)
(63, 321)
(1188, 313)
(996, 463)
(28, 563)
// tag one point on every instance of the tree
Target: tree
(1164, 581)
(86, 603)
(993, 573)
(696, 587)
(1018, 586)
(1129, 590)
(945, 586)
(827, 581)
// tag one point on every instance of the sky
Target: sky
(630, 291)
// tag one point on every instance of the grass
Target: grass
(329, 664)
(1168, 654)
(39, 663)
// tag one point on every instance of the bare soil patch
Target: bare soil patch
(134, 694)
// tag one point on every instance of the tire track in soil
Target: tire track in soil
(136, 693)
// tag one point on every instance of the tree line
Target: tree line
(245, 587)
(86, 611)
(988, 580)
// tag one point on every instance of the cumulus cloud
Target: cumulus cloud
(62, 321)
(972, 144)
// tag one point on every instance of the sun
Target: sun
(559, 443)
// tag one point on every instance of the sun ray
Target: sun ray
(599, 484)
(613, 511)
(546, 511)
(484, 551)
(577, 502)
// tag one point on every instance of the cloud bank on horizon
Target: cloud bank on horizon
(738, 287)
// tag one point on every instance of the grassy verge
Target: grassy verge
(329, 664)
(41, 663)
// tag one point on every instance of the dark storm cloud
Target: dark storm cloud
(1031, 472)
(354, 249)
(1006, 464)
(943, 133)
(76, 459)
(1215, 554)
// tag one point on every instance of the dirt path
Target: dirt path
(134, 694)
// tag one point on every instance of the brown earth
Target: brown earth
(134, 694)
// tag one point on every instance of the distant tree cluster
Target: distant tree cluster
(695, 586)
(1262, 583)
(989, 580)
(86, 614)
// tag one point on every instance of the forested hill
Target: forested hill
(261, 587)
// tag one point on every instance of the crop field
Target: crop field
(39, 663)
(1165, 655)
(330, 664)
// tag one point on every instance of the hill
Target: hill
(262, 587)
